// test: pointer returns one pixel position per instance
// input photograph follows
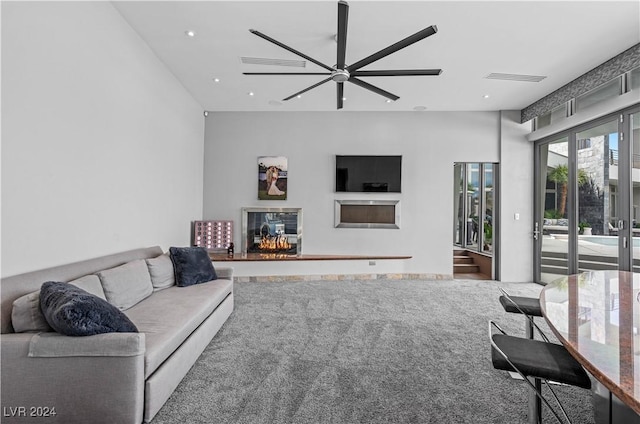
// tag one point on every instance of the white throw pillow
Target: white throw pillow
(26, 315)
(127, 284)
(90, 283)
(161, 270)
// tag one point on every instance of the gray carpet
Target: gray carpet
(360, 352)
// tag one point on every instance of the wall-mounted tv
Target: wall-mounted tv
(368, 173)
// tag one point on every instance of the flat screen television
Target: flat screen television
(368, 173)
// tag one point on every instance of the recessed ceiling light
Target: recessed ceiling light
(388, 100)
(344, 99)
(299, 96)
(251, 93)
(190, 33)
(216, 80)
(486, 96)
(419, 108)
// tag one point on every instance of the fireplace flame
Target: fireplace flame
(278, 242)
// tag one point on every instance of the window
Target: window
(474, 206)
(635, 79)
(554, 116)
(605, 91)
(584, 144)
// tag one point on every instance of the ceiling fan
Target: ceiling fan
(341, 73)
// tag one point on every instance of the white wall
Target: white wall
(430, 142)
(101, 146)
(516, 182)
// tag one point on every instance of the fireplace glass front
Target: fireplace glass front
(272, 230)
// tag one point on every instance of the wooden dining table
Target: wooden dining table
(596, 316)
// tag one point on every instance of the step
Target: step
(462, 260)
(465, 268)
(554, 262)
(459, 252)
(554, 270)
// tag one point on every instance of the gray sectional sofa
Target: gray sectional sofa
(113, 377)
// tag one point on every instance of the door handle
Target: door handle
(536, 232)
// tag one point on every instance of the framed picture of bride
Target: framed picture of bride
(272, 178)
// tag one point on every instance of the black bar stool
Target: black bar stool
(527, 306)
(537, 359)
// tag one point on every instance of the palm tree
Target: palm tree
(560, 175)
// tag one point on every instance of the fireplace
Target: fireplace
(272, 230)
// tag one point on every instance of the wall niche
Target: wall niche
(367, 214)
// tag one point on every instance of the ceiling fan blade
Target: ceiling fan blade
(394, 48)
(343, 19)
(307, 89)
(397, 73)
(286, 73)
(373, 88)
(340, 94)
(292, 50)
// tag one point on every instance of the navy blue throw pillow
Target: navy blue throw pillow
(191, 265)
(75, 312)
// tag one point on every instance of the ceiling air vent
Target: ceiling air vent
(515, 77)
(273, 62)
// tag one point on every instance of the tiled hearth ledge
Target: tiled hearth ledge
(339, 277)
(269, 257)
(278, 257)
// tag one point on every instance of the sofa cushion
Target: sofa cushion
(90, 283)
(161, 271)
(127, 284)
(73, 311)
(26, 315)
(169, 316)
(192, 265)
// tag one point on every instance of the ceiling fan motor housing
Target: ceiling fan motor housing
(340, 75)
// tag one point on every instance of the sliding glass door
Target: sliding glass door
(634, 143)
(552, 228)
(587, 191)
(598, 211)
(633, 135)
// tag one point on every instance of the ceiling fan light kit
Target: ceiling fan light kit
(341, 73)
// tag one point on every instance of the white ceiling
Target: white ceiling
(559, 40)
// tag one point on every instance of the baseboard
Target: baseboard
(339, 277)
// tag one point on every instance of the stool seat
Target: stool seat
(529, 305)
(535, 358)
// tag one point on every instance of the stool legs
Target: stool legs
(528, 327)
(535, 405)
